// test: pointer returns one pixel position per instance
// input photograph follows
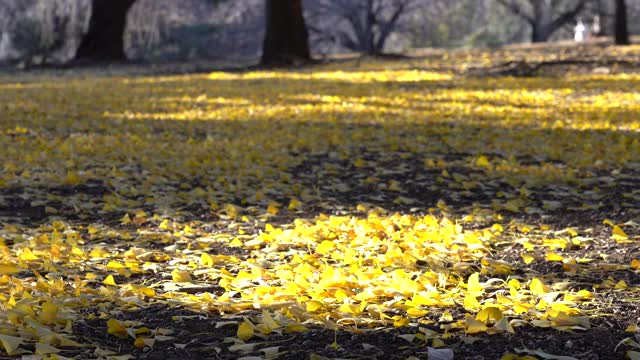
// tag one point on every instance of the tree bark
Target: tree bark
(286, 40)
(104, 40)
(540, 33)
(621, 31)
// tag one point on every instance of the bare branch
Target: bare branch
(517, 10)
(568, 15)
(388, 26)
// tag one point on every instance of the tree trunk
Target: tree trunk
(104, 40)
(540, 33)
(286, 40)
(621, 31)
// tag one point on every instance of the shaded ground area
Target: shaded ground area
(369, 209)
(200, 337)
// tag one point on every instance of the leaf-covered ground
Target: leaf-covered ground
(365, 209)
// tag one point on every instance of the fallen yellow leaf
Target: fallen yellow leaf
(8, 269)
(181, 276)
(46, 349)
(10, 343)
(474, 326)
(116, 328)
(109, 280)
(245, 331)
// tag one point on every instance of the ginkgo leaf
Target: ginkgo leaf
(8, 269)
(545, 355)
(109, 280)
(407, 337)
(294, 204)
(446, 316)
(314, 305)
(473, 326)
(473, 284)
(245, 331)
(413, 312)
(618, 234)
(632, 355)
(400, 321)
(621, 285)
(142, 343)
(528, 259)
(632, 328)
(114, 265)
(537, 287)
(126, 219)
(49, 313)
(273, 209)
(482, 161)
(206, 260)
(325, 247)
(563, 320)
(46, 349)
(27, 255)
(116, 328)
(554, 257)
(517, 357)
(103, 352)
(440, 354)
(504, 325)
(116, 357)
(489, 314)
(10, 343)
(296, 328)
(471, 302)
(181, 276)
(268, 324)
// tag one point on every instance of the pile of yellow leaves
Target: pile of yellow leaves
(260, 196)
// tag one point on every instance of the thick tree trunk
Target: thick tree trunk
(621, 31)
(104, 41)
(286, 40)
(540, 33)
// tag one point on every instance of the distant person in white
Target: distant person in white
(580, 32)
(595, 27)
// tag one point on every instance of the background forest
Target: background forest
(49, 31)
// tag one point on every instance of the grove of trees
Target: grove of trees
(287, 31)
(367, 25)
